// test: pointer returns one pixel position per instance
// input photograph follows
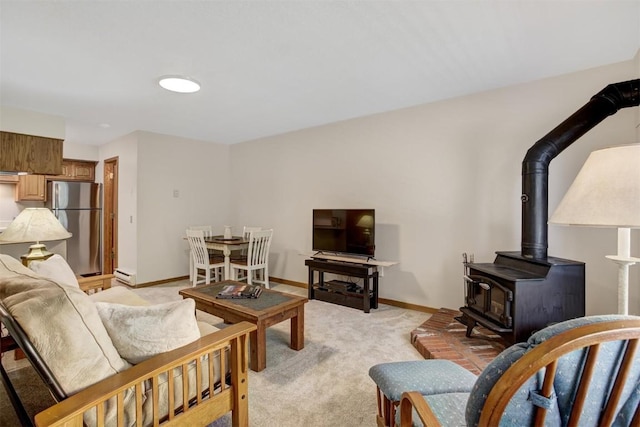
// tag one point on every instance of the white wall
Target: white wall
(74, 151)
(31, 123)
(444, 179)
(181, 182)
(9, 209)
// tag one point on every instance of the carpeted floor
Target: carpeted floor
(327, 382)
(32, 391)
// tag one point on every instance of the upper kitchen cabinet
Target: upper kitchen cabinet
(76, 170)
(31, 142)
(29, 153)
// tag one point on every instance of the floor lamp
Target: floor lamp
(606, 193)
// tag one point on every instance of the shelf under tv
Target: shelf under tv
(331, 291)
(347, 299)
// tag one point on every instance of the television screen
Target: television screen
(350, 231)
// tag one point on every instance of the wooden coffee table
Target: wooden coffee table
(270, 308)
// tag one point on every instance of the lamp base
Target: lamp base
(37, 252)
(623, 280)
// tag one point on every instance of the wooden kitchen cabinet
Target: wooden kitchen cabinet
(29, 153)
(31, 187)
(76, 170)
(34, 187)
(9, 179)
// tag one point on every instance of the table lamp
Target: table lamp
(606, 193)
(34, 225)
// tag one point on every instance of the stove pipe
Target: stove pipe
(535, 166)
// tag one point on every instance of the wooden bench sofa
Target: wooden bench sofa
(59, 330)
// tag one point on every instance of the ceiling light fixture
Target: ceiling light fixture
(179, 84)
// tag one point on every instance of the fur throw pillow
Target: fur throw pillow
(141, 332)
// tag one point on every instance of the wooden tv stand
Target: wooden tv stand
(364, 298)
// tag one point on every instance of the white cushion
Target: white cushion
(122, 295)
(55, 268)
(141, 332)
(11, 267)
(118, 295)
(206, 328)
(64, 326)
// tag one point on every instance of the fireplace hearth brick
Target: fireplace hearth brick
(443, 337)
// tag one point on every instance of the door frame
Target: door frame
(110, 216)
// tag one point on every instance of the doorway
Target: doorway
(110, 211)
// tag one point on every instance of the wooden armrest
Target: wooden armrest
(413, 399)
(233, 397)
(95, 282)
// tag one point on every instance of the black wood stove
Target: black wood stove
(514, 296)
(521, 292)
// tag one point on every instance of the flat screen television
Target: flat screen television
(348, 231)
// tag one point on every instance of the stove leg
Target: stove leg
(470, 329)
(468, 322)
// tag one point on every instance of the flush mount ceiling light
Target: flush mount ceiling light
(179, 84)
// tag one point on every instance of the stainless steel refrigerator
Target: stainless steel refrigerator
(78, 207)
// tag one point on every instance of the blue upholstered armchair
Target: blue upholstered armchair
(581, 372)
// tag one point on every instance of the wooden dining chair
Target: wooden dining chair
(257, 260)
(202, 260)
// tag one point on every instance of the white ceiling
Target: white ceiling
(269, 67)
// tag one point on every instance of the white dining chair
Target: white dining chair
(246, 231)
(257, 260)
(208, 232)
(202, 260)
(241, 255)
(207, 229)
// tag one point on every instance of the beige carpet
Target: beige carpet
(327, 382)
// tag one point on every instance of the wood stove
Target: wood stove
(521, 292)
(515, 297)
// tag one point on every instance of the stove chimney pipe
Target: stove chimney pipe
(535, 166)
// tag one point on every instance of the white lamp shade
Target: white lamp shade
(606, 192)
(34, 225)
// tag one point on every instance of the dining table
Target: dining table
(226, 245)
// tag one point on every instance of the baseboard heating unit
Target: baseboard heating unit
(125, 275)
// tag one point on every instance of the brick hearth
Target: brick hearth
(443, 337)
